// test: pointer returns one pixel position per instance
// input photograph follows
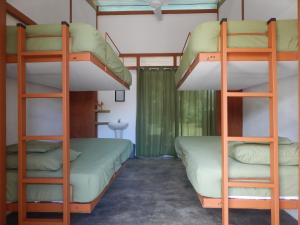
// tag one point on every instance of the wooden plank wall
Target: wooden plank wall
(235, 116)
(82, 114)
(2, 112)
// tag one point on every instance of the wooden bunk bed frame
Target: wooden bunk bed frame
(270, 55)
(67, 206)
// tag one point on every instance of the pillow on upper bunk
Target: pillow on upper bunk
(253, 153)
(35, 146)
(50, 161)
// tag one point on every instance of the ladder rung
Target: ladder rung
(42, 95)
(42, 53)
(42, 222)
(249, 50)
(251, 139)
(42, 138)
(42, 180)
(250, 179)
(250, 184)
(250, 94)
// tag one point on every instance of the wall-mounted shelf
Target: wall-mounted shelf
(101, 123)
(102, 111)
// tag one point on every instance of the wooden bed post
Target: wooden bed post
(224, 123)
(2, 112)
(66, 122)
(23, 180)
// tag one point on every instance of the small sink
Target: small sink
(117, 125)
(118, 128)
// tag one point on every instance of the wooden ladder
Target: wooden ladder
(43, 56)
(271, 183)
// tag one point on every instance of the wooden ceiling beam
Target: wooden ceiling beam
(194, 11)
(145, 55)
(17, 14)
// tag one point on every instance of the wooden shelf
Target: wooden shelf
(102, 111)
(101, 123)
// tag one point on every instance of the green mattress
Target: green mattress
(202, 159)
(205, 38)
(90, 173)
(84, 38)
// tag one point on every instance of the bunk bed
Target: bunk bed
(230, 56)
(67, 57)
(98, 163)
(200, 65)
(89, 51)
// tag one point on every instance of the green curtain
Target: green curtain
(196, 113)
(163, 113)
(156, 94)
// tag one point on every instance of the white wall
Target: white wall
(144, 33)
(231, 9)
(43, 11)
(11, 20)
(83, 12)
(266, 9)
(126, 111)
(43, 117)
(256, 112)
(259, 10)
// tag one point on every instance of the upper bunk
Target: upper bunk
(94, 65)
(200, 66)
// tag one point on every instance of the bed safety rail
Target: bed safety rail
(186, 42)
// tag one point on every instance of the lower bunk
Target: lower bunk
(202, 158)
(92, 172)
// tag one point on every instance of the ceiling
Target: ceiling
(143, 5)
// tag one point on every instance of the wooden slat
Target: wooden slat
(42, 138)
(17, 14)
(42, 53)
(43, 222)
(42, 95)
(250, 94)
(42, 180)
(251, 139)
(249, 50)
(2, 112)
(237, 184)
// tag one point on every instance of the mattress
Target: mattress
(205, 38)
(202, 159)
(90, 173)
(84, 38)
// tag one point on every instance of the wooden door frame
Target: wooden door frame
(2, 112)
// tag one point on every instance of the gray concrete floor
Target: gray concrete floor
(157, 192)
